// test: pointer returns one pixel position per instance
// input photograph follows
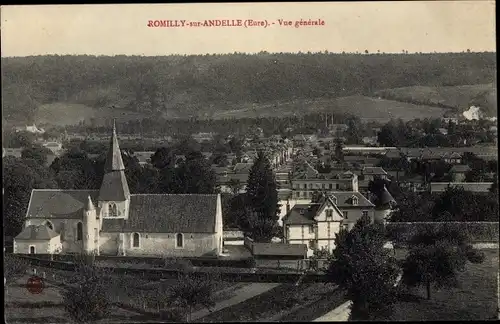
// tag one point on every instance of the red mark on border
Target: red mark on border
(35, 285)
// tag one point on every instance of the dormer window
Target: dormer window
(112, 211)
(329, 214)
(355, 201)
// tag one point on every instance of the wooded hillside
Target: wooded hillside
(204, 84)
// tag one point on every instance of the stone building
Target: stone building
(112, 221)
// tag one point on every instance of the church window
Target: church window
(79, 231)
(179, 240)
(112, 209)
(135, 240)
(49, 225)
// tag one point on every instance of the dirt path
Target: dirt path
(239, 296)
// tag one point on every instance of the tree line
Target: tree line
(206, 83)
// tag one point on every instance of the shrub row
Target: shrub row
(159, 262)
(476, 231)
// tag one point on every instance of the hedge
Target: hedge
(477, 232)
(155, 261)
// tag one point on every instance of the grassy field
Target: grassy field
(365, 107)
(62, 114)
(454, 96)
(476, 299)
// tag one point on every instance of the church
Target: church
(112, 221)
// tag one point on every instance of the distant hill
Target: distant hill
(217, 85)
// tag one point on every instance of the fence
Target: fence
(477, 232)
(155, 261)
(156, 274)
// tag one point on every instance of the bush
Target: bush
(173, 314)
(475, 256)
(401, 233)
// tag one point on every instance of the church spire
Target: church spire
(114, 160)
(114, 185)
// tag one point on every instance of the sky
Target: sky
(121, 29)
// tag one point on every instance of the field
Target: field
(62, 114)
(476, 299)
(368, 109)
(458, 97)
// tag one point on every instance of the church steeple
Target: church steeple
(114, 185)
(114, 160)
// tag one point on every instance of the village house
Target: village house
(315, 223)
(144, 157)
(31, 129)
(112, 221)
(304, 184)
(370, 173)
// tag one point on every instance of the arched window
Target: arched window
(135, 240)
(49, 225)
(112, 209)
(79, 231)
(179, 240)
(354, 201)
(32, 249)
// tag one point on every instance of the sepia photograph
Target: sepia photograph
(250, 162)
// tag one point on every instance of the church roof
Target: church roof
(114, 160)
(114, 187)
(182, 213)
(34, 232)
(57, 203)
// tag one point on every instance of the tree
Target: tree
(235, 185)
(339, 152)
(388, 135)
(75, 170)
(85, 297)
(412, 207)
(364, 268)
(354, 131)
(262, 201)
(14, 268)
(436, 257)
(162, 157)
(494, 186)
(19, 179)
(37, 153)
(190, 291)
(192, 176)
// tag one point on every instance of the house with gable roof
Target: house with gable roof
(316, 223)
(112, 221)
